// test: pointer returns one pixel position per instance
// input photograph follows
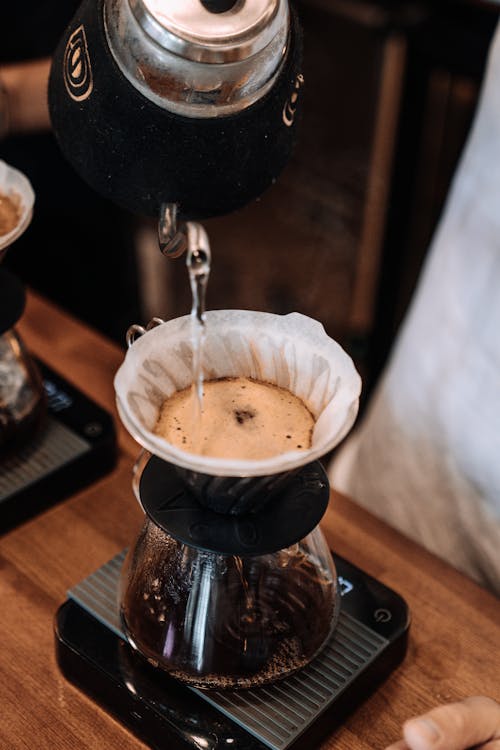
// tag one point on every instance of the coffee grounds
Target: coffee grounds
(241, 418)
(9, 214)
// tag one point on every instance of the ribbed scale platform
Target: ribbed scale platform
(278, 713)
(57, 446)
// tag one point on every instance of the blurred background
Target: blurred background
(390, 93)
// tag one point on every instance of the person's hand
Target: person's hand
(24, 97)
(471, 723)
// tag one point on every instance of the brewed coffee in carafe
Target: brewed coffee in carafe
(218, 620)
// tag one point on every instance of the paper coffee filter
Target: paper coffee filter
(15, 184)
(291, 351)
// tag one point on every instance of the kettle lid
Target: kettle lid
(211, 31)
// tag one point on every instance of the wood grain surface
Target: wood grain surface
(454, 642)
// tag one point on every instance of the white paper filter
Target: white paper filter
(15, 184)
(291, 351)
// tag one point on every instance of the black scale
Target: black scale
(369, 641)
(76, 446)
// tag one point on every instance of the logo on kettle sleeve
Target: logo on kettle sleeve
(76, 66)
(291, 103)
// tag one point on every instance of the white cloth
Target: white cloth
(426, 456)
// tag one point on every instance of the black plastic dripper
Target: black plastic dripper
(286, 519)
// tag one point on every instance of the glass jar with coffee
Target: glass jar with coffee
(22, 396)
(224, 601)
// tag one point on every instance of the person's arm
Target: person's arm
(473, 722)
(23, 97)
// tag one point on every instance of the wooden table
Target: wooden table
(454, 637)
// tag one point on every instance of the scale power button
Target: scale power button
(382, 615)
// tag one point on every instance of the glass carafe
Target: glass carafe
(227, 621)
(22, 397)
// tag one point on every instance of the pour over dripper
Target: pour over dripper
(291, 351)
(15, 185)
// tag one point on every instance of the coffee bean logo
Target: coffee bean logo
(290, 107)
(77, 69)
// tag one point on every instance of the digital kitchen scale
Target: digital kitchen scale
(76, 446)
(369, 642)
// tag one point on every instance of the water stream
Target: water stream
(198, 262)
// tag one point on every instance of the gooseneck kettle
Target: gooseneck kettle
(186, 102)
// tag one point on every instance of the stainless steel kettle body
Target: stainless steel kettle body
(159, 102)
